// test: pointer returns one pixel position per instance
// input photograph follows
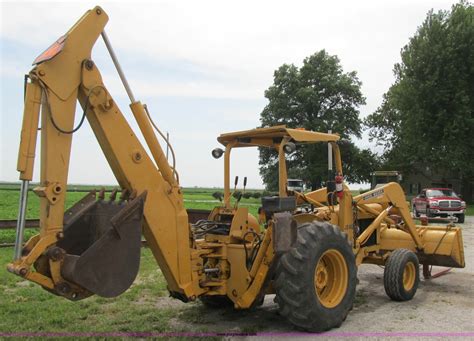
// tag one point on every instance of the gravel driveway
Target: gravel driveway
(443, 304)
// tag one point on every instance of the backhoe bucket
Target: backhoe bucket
(102, 240)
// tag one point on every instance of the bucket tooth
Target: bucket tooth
(124, 195)
(102, 241)
(113, 195)
(101, 195)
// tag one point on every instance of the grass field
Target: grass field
(39, 310)
(199, 198)
(139, 309)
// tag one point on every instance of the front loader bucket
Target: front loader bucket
(102, 241)
(442, 245)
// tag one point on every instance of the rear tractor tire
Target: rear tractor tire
(401, 275)
(315, 281)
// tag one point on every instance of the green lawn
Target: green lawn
(193, 198)
(26, 307)
(198, 198)
(145, 307)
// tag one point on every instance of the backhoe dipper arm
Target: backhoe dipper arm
(68, 76)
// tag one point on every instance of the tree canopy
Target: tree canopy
(318, 96)
(426, 118)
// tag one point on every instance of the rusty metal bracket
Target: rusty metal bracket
(284, 232)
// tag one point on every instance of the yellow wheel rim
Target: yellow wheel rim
(409, 275)
(330, 278)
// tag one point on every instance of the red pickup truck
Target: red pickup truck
(439, 202)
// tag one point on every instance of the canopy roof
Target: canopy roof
(266, 137)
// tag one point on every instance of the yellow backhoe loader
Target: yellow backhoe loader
(308, 258)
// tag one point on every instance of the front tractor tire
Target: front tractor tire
(401, 275)
(315, 281)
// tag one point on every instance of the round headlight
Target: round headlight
(217, 153)
(289, 148)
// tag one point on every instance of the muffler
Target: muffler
(102, 241)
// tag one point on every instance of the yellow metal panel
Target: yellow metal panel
(260, 136)
(166, 227)
(228, 150)
(55, 156)
(152, 141)
(62, 74)
(239, 279)
(29, 131)
(439, 242)
(239, 223)
(311, 136)
(392, 194)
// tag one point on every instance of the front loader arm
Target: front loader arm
(390, 195)
(67, 77)
(434, 245)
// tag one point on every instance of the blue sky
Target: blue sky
(202, 67)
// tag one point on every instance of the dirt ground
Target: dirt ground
(444, 304)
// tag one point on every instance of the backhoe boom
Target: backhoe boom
(69, 76)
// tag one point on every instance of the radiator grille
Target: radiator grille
(455, 204)
(444, 204)
(449, 204)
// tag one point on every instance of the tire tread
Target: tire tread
(393, 275)
(293, 291)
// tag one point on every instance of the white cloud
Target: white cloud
(242, 39)
(233, 47)
(188, 88)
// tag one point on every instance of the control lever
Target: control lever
(241, 193)
(236, 181)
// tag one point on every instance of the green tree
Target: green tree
(426, 118)
(318, 96)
